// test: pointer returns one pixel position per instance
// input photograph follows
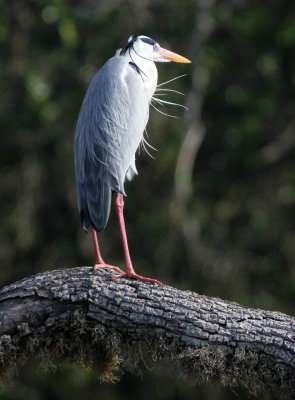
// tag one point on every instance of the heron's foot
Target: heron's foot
(104, 265)
(137, 277)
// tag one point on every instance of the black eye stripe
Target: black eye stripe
(148, 41)
(133, 40)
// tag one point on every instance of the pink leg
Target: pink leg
(99, 260)
(130, 273)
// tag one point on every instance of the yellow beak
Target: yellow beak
(170, 56)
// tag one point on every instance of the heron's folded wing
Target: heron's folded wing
(110, 127)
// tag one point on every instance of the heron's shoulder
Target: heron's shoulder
(117, 62)
(110, 73)
(121, 71)
(121, 63)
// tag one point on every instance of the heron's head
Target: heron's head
(148, 49)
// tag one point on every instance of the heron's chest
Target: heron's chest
(150, 80)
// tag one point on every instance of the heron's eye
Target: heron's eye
(156, 47)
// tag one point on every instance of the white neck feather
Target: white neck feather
(148, 73)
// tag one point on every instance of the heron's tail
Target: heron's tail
(96, 210)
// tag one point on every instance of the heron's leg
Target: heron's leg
(130, 273)
(99, 260)
(120, 208)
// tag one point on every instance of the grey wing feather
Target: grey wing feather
(110, 127)
(131, 171)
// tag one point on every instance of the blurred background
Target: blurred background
(213, 212)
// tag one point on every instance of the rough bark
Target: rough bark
(83, 316)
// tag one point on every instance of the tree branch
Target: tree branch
(82, 316)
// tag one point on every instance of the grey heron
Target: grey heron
(109, 130)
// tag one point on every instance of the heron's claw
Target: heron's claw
(137, 277)
(98, 266)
